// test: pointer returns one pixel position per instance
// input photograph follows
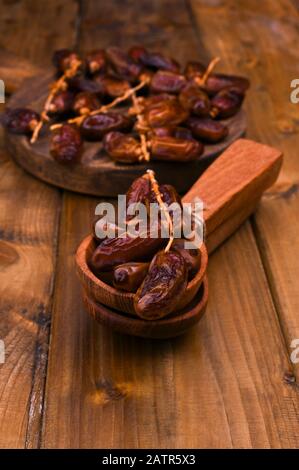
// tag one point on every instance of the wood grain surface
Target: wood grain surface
(229, 382)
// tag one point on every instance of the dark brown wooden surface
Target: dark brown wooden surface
(229, 382)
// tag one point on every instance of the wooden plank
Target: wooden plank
(29, 215)
(272, 119)
(223, 384)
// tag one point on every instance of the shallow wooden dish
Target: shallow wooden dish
(97, 174)
(230, 189)
(168, 327)
(116, 299)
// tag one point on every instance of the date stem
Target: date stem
(158, 195)
(59, 85)
(103, 109)
(201, 81)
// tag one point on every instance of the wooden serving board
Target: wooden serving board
(97, 174)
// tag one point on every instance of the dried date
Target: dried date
(163, 287)
(122, 148)
(61, 103)
(63, 59)
(66, 144)
(174, 149)
(164, 113)
(96, 61)
(195, 100)
(167, 82)
(20, 120)
(129, 276)
(207, 129)
(93, 128)
(114, 251)
(123, 64)
(112, 87)
(85, 102)
(226, 103)
(192, 256)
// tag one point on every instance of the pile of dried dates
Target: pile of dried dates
(140, 104)
(154, 270)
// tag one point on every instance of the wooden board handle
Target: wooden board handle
(14, 70)
(232, 186)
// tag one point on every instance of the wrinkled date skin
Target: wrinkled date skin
(66, 144)
(61, 103)
(123, 64)
(139, 191)
(114, 251)
(96, 62)
(176, 150)
(122, 148)
(163, 287)
(191, 256)
(63, 58)
(164, 113)
(195, 100)
(207, 129)
(227, 103)
(129, 276)
(95, 127)
(20, 120)
(167, 82)
(112, 87)
(85, 102)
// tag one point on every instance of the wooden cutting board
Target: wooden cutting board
(96, 174)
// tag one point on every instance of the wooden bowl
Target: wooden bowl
(167, 327)
(230, 189)
(107, 295)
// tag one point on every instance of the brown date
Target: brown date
(164, 113)
(139, 191)
(61, 103)
(113, 87)
(129, 276)
(20, 120)
(81, 84)
(168, 193)
(172, 131)
(66, 144)
(163, 287)
(174, 149)
(218, 81)
(122, 148)
(154, 60)
(207, 129)
(85, 102)
(96, 61)
(195, 100)
(114, 251)
(123, 64)
(192, 256)
(93, 128)
(63, 58)
(226, 103)
(167, 82)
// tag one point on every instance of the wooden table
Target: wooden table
(68, 382)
